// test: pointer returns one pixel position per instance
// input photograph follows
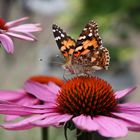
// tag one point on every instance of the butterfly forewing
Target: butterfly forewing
(65, 43)
(89, 47)
(88, 39)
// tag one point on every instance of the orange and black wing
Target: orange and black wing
(64, 42)
(89, 47)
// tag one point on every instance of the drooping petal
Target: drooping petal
(41, 91)
(44, 106)
(128, 117)
(26, 100)
(15, 109)
(134, 128)
(53, 119)
(30, 35)
(7, 43)
(122, 93)
(8, 118)
(20, 36)
(10, 95)
(110, 127)
(129, 108)
(16, 22)
(85, 123)
(24, 124)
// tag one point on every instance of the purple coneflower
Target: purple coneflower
(23, 97)
(87, 102)
(16, 29)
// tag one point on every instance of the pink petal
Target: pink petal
(40, 91)
(129, 108)
(53, 119)
(85, 123)
(122, 93)
(14, 127)
(47, 106)
(44, 106)
(7, 43)
(134, 128)
(8, 118)
(110, 127)
(30, 35)
(10, 95)
(20, 36)
(53, 88)
(128, 117)
(26, 28)
(27, 100)
(24, 124)
(27, 34)
(16, 22)
(13, 109)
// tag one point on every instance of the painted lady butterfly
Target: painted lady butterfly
(85, 55)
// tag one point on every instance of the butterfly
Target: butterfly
(85, 55)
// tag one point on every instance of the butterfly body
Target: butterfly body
(85, 55)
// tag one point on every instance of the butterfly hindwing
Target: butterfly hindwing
(65, 43)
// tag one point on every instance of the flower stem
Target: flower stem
(89, 136)
(84, 135)
(44, 133)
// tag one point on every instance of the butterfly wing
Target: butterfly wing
(64, 42)
(89, 48)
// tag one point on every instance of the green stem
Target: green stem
(44, 133)
(90, 136)
(84, 135)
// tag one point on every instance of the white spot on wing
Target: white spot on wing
(90, 34)
(82, 37)
(62, 35)
(58, 38)
(97, 67)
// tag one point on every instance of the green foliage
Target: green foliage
(128, 10)
(120, 57)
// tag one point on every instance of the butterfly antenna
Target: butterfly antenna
(51, 62)
(56, 63)
(64, 74)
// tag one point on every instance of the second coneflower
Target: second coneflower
(16, 29)
(23, 97)
(89, 103)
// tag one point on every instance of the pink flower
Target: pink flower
(15, 29)
(23, 97)
(88, 102)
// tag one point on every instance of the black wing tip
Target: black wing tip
(93, 21)
(54, 26)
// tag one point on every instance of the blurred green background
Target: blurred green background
(119, 28)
